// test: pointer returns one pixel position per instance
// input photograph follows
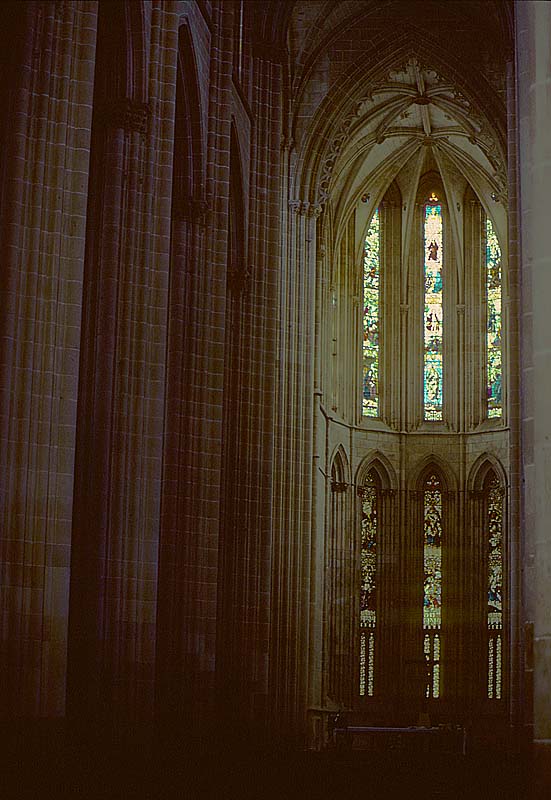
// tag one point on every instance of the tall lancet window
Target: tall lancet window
(368, 587)
(371, 318)
(494, 505)
(432, 318)
(493, 323)
(432, 594)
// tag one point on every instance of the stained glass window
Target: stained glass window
(371, 320)
(432, 319)
(494, 319)
(368, 593)
(495, 586)
(432, 596)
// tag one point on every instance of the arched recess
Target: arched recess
(378, 461)
(101, 682)
(491, 590)
(188, 141)
(432, 591)
(378, 613)
(178, 622)
(339, 571)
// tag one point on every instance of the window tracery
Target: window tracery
(494, 520)
(371, 318)
(433, 320)
(432, 581)
(368, 583)
(493, 322)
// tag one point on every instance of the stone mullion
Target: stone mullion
(347, 404)
(450, 351)
(415, 340)
(387, 591)
(480, 300)
(451, 599)
(405, 367)
(477, 377)
(352, 582)
(350, 686)
(331, 592)
(476, 672)
(411, 639)
(338, 599)
(328, 525)
(38, 345)
(392, 333)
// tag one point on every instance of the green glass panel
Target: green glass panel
(371, 318)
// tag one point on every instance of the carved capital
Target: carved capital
(338, 486)
(305, 209)
(126, 114)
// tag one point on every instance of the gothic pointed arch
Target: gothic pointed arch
(491, 599)
(381, 464)
(478, 473)
(339, 568)
(430, 464)
(188, 192)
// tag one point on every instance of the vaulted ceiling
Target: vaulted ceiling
(384, 91)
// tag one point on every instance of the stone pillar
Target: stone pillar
(193, 444)
(116, 512)
(292, 541)
(533, 37)
(43, 229)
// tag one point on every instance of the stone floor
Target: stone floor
(55, 767)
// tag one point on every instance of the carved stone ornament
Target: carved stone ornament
(126, 114)
(338, 486)
(306, 209)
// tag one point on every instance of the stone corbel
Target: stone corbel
(305, 209)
